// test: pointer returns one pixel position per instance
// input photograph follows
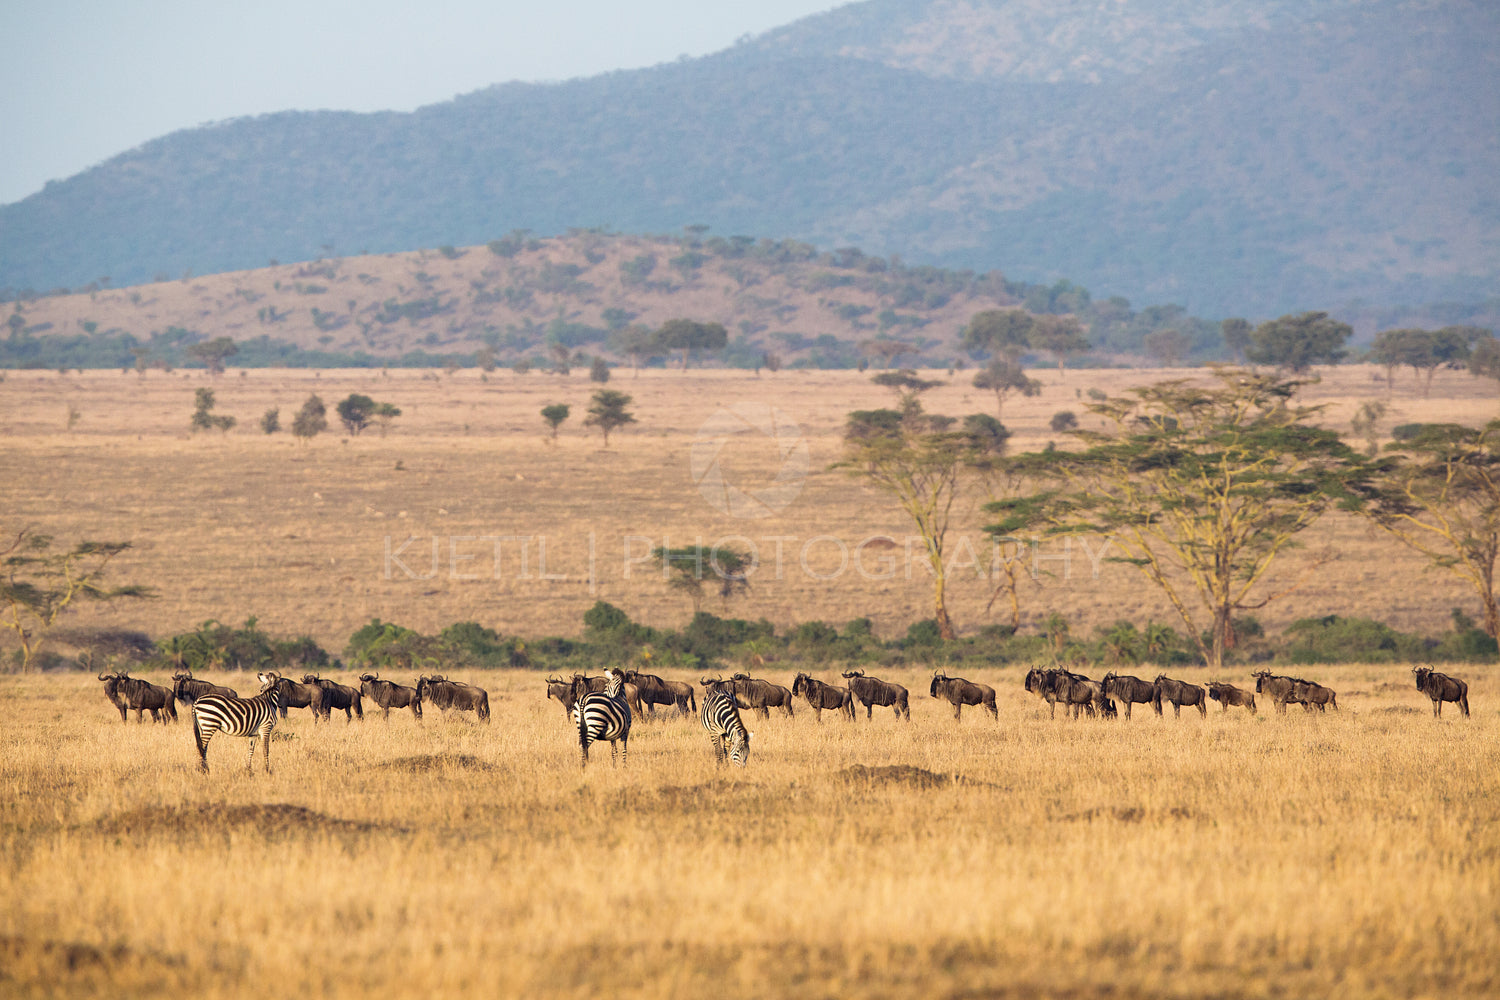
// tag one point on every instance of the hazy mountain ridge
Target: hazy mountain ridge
(1250, 163)
(1041, 41)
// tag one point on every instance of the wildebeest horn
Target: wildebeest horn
(105, 677)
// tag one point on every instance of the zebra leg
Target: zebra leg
(266, 751)
(202, 744)
(250, 761)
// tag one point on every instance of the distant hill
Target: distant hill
(521, 297)
(1294, 156)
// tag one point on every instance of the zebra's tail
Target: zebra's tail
(583, 730)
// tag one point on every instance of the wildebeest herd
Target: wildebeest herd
(602, 708)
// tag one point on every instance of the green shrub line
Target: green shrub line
(715, 644)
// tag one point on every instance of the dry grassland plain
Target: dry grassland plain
(1354, 853)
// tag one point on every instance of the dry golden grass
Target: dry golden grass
(1347, 854)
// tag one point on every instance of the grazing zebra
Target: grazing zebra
(603, 716)
(721, 717)
(252, 717)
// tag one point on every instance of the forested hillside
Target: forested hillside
(1236, 162)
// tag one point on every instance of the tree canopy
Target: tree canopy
(1200, 488)
(1441, 496)
(1296, 343)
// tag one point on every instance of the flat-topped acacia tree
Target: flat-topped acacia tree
(1199, 488)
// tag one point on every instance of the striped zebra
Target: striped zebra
(252, 717)
(721, 717)
(603, 716)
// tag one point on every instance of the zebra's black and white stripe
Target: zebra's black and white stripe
(604, 716)
(721, 717)
(252, 717)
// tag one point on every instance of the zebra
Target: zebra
(603, 716)
(721, 717)
(252, 717)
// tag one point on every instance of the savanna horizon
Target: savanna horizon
(415, 526)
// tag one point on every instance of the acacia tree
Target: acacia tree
(1005, 332)
(686, 336)
(1201, 488)
(686, 568)
(1298, 342)
(919, 460)
(213, 353)
(1003, 377)
(38, 585)
(1442, 497)
(1420, 350)
(607, 411)
(1060, 336)
(554, 414)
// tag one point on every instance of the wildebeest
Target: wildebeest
(872, 691)
(1179, 693)
(563, 691)
(656, 691)
(1441, 688)
(821, 696)
(445, 694)
(389, 695)
(187, 689)
(1311, 695)
(959, 692)
(290, 694)
(1075, 691)
(1278, 688)
(1228, 694)
(126, 693)
(337, 696)
(1130, 691)
(1294, 689)
(750, 692)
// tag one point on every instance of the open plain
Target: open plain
(1352, 853)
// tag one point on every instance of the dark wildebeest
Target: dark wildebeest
(186, 689)
(1130, 690)
(389, 695)
(563, 691)
(821, 696)
(337, 696)
(1180, 693)
(959, 692)
(445, 694)
(1441, 688)
(760, 695)
(872, 691)
(1294, 689)
(126, 693)
(1309, 695)
(1278, 688)
(294, 695)
(1228, 694)
(655, 691)
(1075, 691)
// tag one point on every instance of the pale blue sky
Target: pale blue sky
(82, 81)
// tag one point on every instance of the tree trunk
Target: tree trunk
(940, 610)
